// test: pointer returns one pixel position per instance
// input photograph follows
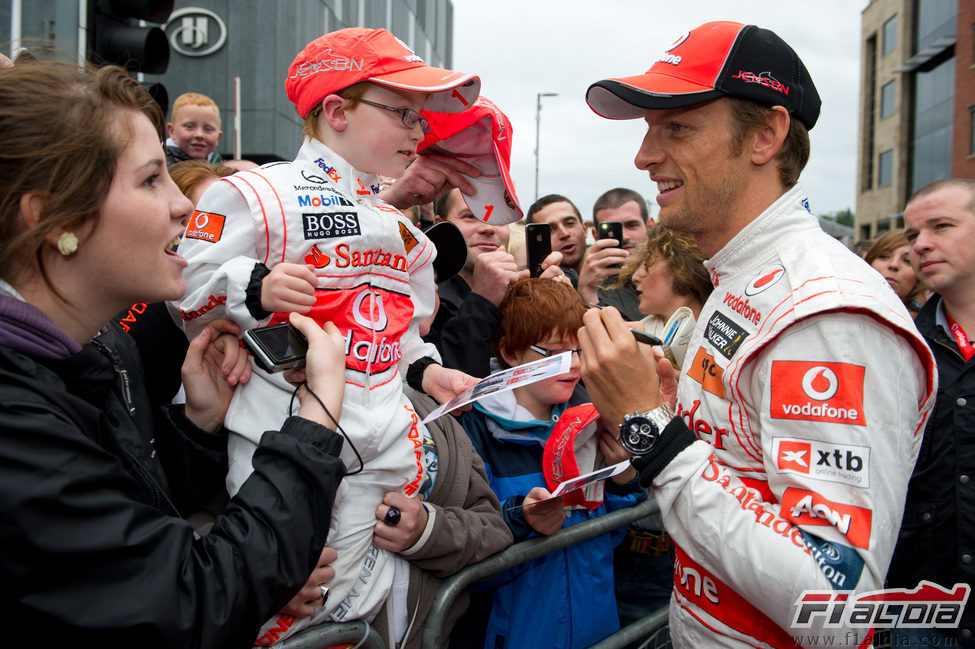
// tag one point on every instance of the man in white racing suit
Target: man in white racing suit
(317, 228)
(781, 466)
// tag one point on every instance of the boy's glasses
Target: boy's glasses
(408, 116)
(546, 353)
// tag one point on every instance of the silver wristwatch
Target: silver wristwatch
(640, 431)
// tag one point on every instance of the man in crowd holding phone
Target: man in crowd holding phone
(939, 516)
(626, 211)
(780, 459)
(468, 313)
(568, 232)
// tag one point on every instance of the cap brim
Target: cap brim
(450, 91)
(629, 97)
(451, 249)
(495, 201)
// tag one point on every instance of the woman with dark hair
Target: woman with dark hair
(93, 549)
(890, 256)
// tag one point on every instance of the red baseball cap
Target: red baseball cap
(717, 59)
(570, 451)
(342, 58)
(480, 136)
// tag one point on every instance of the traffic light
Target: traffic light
(115, 35)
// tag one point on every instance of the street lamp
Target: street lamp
(538, 125)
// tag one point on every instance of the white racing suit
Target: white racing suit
(376, 284)
(808, 387)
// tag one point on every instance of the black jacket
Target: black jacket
(625, 299)
(937, 537)
(92, 546)
(463, 328)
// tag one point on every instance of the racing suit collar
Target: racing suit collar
(739, 253)
(320, 164)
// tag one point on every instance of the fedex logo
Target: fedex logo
(829, 392)
(810, 508)
(831, 462)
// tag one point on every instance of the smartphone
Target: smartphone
(277, 347)
(611, 230)
(538, 242)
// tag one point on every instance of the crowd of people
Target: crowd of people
(800, 417)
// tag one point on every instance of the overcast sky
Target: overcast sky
(523, 47)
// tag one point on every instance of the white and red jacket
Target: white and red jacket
(808, 387)
(376, 283)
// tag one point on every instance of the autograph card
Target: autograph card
(590, 478)
(508, 379)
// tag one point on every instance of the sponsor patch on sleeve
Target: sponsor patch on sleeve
(841, 565)
(813, 391)
(409, 241)
(205, 226)
(823, 461)
(807, 508)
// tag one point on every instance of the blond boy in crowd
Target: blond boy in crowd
(194, 129)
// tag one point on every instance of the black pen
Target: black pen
(641, 336)
(645, 338)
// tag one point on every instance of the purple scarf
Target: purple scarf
(28, 330)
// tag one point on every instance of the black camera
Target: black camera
(276, 347)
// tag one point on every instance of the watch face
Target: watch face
(638, 435)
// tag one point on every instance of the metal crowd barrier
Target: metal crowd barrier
(651, 630)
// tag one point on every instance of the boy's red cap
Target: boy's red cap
(570, 451)
(717, 59)
(342, 58)
(480, 136)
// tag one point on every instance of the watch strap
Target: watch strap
(673, 439)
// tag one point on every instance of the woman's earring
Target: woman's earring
(67, 244)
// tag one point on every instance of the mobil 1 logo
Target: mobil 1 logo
(328, 225)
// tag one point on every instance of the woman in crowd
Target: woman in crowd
(890, 256)
(161, 341)
(93, 549)
(669, 274)
(668, 271)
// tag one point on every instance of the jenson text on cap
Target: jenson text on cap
(717, 59)
(345, 57)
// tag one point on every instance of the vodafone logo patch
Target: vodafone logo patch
(810, 508)
(820, 383)
(829, 392)
(766, 278)
(680, 39)
(205, 226)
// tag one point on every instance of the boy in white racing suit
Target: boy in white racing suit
(312, 236)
